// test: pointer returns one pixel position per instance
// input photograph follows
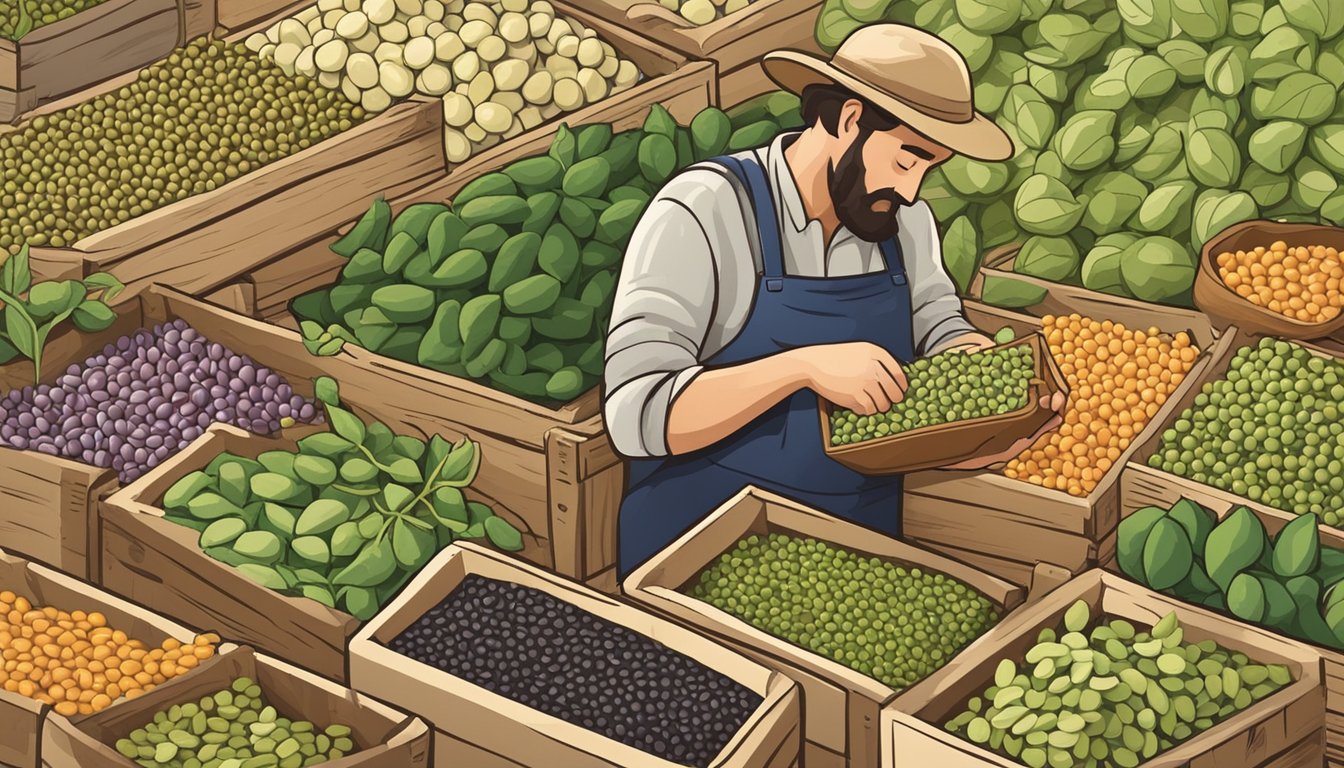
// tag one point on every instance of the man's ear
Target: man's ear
(850, 112)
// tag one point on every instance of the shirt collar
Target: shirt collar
(786, 189)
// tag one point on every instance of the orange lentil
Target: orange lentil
(1277, 277)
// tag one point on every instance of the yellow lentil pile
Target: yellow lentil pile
(79, 665)
(1118, 379)
(1299, 282)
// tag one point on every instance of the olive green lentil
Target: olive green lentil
(233, 728)
(894, 623)
(1112, 697)
(209, 113)
(1270, 431)
(42, 12)
(946, 388)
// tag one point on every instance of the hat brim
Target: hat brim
(979, 138)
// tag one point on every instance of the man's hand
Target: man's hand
(1055, 404)
(860, 376)
(968, 342)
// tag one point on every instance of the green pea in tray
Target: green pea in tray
(941, 444)
(1279, 728)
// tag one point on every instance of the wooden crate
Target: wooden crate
(158, 563)
(206, 240)
(1142, 485)
(736, 43)
(1006, 526)
(22, 719)
(841, 705)
(102, 42)
(1283, 730)
(1061, 299)
(388, 738)
(501, 733)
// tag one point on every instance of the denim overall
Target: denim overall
(781, 450)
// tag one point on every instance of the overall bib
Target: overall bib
(781, 450)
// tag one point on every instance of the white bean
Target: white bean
(396, 79)
(419, 26)
(435, 29)
(419, 53)
(530, 117)
(448, 46)
(410, 7)
(332, 19)
(314, 26)
(332, 55)
(256, 41)
(474, 31)
(456, 146)
(590, 52)
(457, 110)
(434, 10)
(329, 80)
(549, 110)
(733, 6)
(466, 66)
(698, 12)
(323, 36)
(538, 24)
(362, 69)
(542, 6)
(267, 52)
(368, 43)
(475, 132)
(435, 80)
(351, 91)
(510, 74)
(510, 99)
(477, 11)
(304, 64)
(307, 15)
(544, 46)
(627, 74)
(515, 6)
(559, 28)
(481, 88)
(562, 66)
(352, 5)
(293, 31)
(537, 89)
(454, 6)
(524, 52)
(568, 46)
(454, 23)
(394, 32)
(513, 27)
(568, 94)
(594, 85)
(514, 129)
(353, 25)
(609, 66)
(285, 56)
(375, 100)
(323, 6)
(379, 11)
(492, 48)
(389, 52)
(493, 117)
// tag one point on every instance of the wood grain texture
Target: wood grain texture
(1283, 726)
(840, 706)
(505, 732)
(731, 41)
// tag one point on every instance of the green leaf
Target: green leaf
(371, 567)
(327, 390)
(92, 316)
(346, 424)
(405, 470)
(412, 546)
(105, 282)
(312, 548)
(360, 602)
(321, 516)
(961, 253)
(1010, 293)
(325, 444)
(21, 330)
(503, 535)
(52, 297)
(264, 575)
(15, 276)
(397, 496)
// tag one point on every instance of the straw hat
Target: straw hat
(915, 76)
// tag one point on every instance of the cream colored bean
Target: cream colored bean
(396, 79)
(480, 12)
(492, 48)
(435, 80)
(419, 53)
(454, 23)
(609, 67)
(418, 26)
(457, 110)
(481, 88)
(510, 74)
(352, 5)
(448, 46)
(256, 41)
(466, 66)
(267, 52)
(537, 88)
(595, 86)
(568, 46)
(513, 27)
(332, 19)
(510, 100)
(315, 26)
(273, 34)
(559, 28)
(493, 117)
(475, 132)
(332, 55)
(515, 6)
(542, 6)
(394, 32)
(379, 11)
(388, 52)
(488, 141)
(456, 146)
(410, 7)
(353, 25)
(375, 100)
(351, 91)
(368, 43)
(698, 12)
(733, 6)
(323, 36)
(362, 69)
(627, 75)
(568, 94)
(562, 66)
(461, 89)
(549, 111)
(304, 64)
(285, 56)
(323, 6)
(525, 52)
(474, 31)
(544, 46)
(538, 24)
(434, 10)
(514, 129)
(329, 80)
(590, 52)
(530, 117)
(436, 29)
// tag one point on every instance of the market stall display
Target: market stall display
(1266, 708)
(894, 615)
(1058, 501)
(54, 47)
(487, 689)
(41, 607)
(1142, 131)
(245, 709)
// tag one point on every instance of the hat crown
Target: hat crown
(911, 66)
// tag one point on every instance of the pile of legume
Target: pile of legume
(1118, 380)
(946, 388)
(1270, 430)
(76, 663)
(1302, 282)
(42, 12)
(207, 114)
(894, 623)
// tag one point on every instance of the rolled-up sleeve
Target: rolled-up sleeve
(938, 313)
(663, 308)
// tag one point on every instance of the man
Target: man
(756, 282)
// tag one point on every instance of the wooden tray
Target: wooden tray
(943, 444)
(1229, 308)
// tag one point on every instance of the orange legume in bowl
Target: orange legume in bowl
(77, 664)
(1118, 379)
(1300, 282)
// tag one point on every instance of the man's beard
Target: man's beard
(870, 216)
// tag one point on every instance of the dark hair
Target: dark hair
(823, 102)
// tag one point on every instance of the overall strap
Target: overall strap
(752, 176)
(891, 254)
